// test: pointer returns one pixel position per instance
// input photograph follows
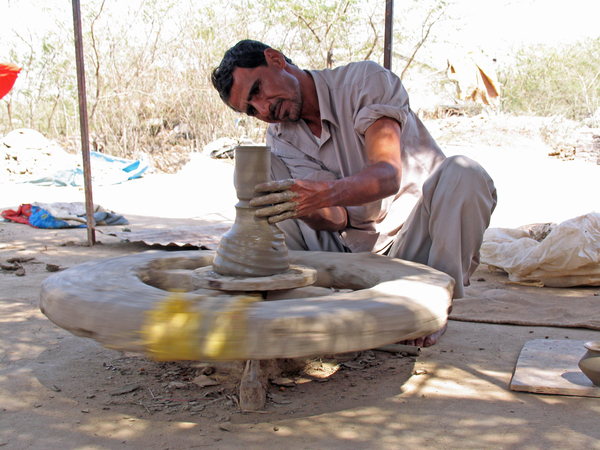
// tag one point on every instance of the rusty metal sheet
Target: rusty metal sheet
(203, 236)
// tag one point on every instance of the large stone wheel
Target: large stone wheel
(129, 303)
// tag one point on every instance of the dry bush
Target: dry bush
(555, 81)
(148, 66)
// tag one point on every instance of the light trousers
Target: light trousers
(445, 228)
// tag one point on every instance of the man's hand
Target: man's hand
(280, 201)
(299, 199)
(321, 204)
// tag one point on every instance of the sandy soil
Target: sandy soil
(57, 391)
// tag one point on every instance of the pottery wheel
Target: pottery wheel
(385, 300)
(295, 277)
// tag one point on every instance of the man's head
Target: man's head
(255, 79)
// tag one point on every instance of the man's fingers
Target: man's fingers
(272, 199)
(281, 205)
(274, 186)
(281, 217)
(277, 209)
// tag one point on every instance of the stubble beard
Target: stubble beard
(294, 114)
(296, 110)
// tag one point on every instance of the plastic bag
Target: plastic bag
(569, 255)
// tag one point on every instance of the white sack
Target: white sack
(568, 256)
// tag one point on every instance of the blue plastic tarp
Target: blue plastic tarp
(105, 170)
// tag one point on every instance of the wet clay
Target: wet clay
(252, 247)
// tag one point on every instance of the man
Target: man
(356, 169)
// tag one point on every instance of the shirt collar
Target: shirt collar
(324, 97)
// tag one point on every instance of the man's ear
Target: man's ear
(275, 57)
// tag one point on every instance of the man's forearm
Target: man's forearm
(371, 184)
(382, 178)
(302, 199)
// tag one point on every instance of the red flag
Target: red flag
(8, 76)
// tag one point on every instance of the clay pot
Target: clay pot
(252, 247)
(590, 362)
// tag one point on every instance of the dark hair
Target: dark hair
(246, 54)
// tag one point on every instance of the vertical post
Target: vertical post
(83, 120)
(389, 26)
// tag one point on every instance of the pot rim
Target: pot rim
(593, 346)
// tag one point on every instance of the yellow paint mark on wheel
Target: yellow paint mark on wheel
(179, 329)
(228, 333)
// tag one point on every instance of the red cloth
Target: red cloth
(8, 76)
(21, 215)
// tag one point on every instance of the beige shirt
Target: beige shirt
(351, 99)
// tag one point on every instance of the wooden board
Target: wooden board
(548, 366)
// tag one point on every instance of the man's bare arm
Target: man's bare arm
(318, 202)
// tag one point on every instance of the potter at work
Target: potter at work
(355, 169)
(351, 301)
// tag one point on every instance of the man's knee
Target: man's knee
(461, 173)
(464, 169)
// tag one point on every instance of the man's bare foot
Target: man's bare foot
(426, 341)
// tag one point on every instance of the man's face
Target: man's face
(268, 93)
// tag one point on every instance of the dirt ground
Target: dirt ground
(59, 391)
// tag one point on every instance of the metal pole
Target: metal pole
(389, 26)
(83, 120)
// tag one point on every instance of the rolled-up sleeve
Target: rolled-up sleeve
(381, 95)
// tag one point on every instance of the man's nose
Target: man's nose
(262, 106)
